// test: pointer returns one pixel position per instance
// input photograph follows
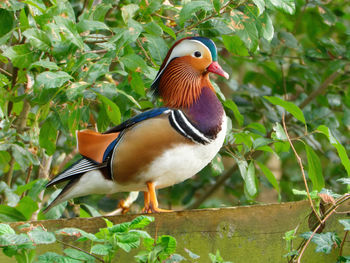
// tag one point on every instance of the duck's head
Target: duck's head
(185, 71)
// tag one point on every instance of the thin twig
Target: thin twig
(145, 53)
(164, 17)
(30, 168)
(342, 243)
(82, 250)
(5, 72)
(301, 168)
(320, 90)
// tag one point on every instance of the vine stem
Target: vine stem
(145, 52)
(82, 250)
(301, 168)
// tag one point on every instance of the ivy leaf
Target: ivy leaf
(340, 148)
(324, 241)
(190, 8)
(288, 106)
(20, 55)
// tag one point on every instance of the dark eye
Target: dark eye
(197, 54)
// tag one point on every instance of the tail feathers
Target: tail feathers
(65, 191)
(81, 166)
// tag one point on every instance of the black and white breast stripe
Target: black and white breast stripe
(182, 125)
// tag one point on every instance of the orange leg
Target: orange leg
(152, 204)
(146, 198)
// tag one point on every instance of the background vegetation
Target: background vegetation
(70, 65)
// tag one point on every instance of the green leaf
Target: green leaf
(217, 5)
(7, 22)
(38, 39)
(269, 175)
(100, 249)
(248, 175)
(137, 84)
(279, 132)
(75, 232)
(324, 241)
(129, 11)
(344, 180)
(50, 80)
(120, 228)
(45, 64)
(157, 47)
(192, 7)
(340, 148)
(287, 6)
(167, 30)
(79, 255)
(167, 244)
(6, 229)
(68, 28)
(133, 62)
(345, 223)
(265, 26)
(235, 45)
(27, 207)
(244, 26)
(288, 106)
(261, 5)
(10, 214)
(89, 25)
(232, 106)
(50, 257)
(141, 222)
(315, 169)
(258, 127)
(21, 56)
(48, 136)
(40, 236)
(111, 108)
(128, 241)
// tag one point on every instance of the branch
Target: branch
(301, 168)
(145, 53)
(320, 90)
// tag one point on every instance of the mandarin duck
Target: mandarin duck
(160, 147)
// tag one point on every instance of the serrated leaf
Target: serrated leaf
(141, 222)
(128, 241)
(20, 55)
(128, 11)
(314, 169)
(232, 106)
(192, 7)
(50, 80)
(38, 39)
(120, 228)
(10, 214)
(100, 249)
(340, 148)
(39, 236)
(345, 223)
(6, 229)
(68, 28)
(324, 241)
(288, 106)
(79, 255)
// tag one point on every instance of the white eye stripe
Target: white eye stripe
(184, 48)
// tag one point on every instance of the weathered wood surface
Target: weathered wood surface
(251, 234)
